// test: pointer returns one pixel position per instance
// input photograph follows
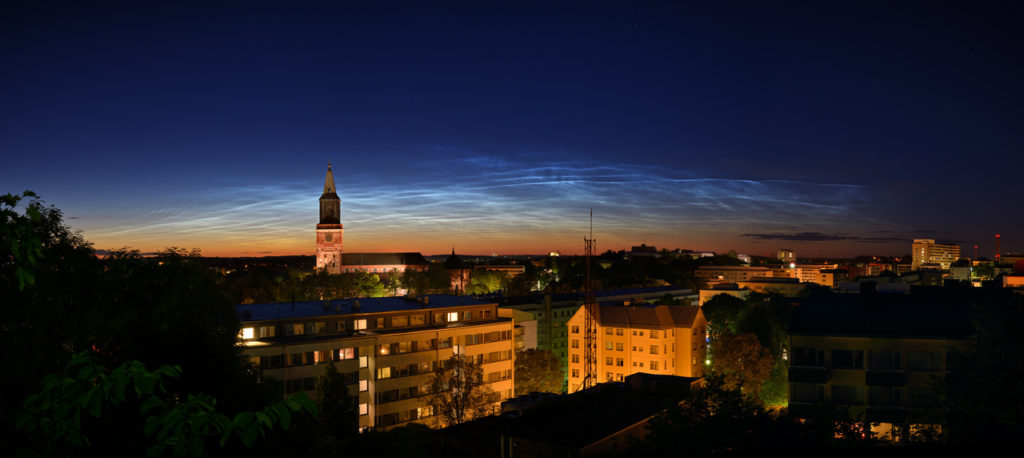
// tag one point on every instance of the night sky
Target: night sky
(832, 129)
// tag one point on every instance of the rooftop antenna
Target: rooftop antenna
(590, 316)
(997, 249)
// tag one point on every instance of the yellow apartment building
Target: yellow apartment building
(656, 339)
(385, 348)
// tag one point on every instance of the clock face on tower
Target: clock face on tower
(329, 237)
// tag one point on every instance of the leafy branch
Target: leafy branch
(85, 390)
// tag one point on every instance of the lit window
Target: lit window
(360, 324)
(248, 333)
(363, 361)
(364, 408)
(364, 385)
(453, 316)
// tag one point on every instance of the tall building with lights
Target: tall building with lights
(926, 251)
(329, 249)
(329, 230)
(385, 348)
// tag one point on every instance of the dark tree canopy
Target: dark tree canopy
(538, 371)
(59, 299)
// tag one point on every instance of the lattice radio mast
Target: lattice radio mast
(590, 316)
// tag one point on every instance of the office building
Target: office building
(926, 253)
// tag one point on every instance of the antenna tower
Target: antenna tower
(590, 315)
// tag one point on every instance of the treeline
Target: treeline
(263, 282)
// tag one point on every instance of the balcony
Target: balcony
(808, 374)
(885, 378)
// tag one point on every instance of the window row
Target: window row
(359, 324)
(871, 359)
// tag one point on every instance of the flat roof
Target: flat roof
(362, 305)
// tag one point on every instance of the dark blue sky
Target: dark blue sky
(831, 129)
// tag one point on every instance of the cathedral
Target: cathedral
(329, 252)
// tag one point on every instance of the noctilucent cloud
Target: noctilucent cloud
(833, 130)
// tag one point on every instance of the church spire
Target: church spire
(330, 203)
(329, 182)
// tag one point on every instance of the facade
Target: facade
(814, 273)
(730, 289)
(552, 312)
(510, 270)
(386, 348)
(786, 256)
(926, 252)
(662, 339)
(788, 287)
(877, 353)
(730, 274)
(329, 256)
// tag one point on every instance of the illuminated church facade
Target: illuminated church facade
(329, 249)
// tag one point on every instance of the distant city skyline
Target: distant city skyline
(832, 130)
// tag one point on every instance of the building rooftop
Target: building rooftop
(383, 259)
(562, 299)
(647, 315)
(928, 312)
(732, 268)
(308, 309)
(562, 425)
(771, 280)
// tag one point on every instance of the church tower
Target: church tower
(328, 232)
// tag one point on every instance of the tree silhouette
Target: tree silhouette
(457, 391)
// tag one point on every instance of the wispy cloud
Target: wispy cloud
(821, 237)
(484, 198)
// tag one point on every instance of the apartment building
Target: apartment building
(880, 354)
(656, 339)
(551, 312)
(386, 348)
(928, 253)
